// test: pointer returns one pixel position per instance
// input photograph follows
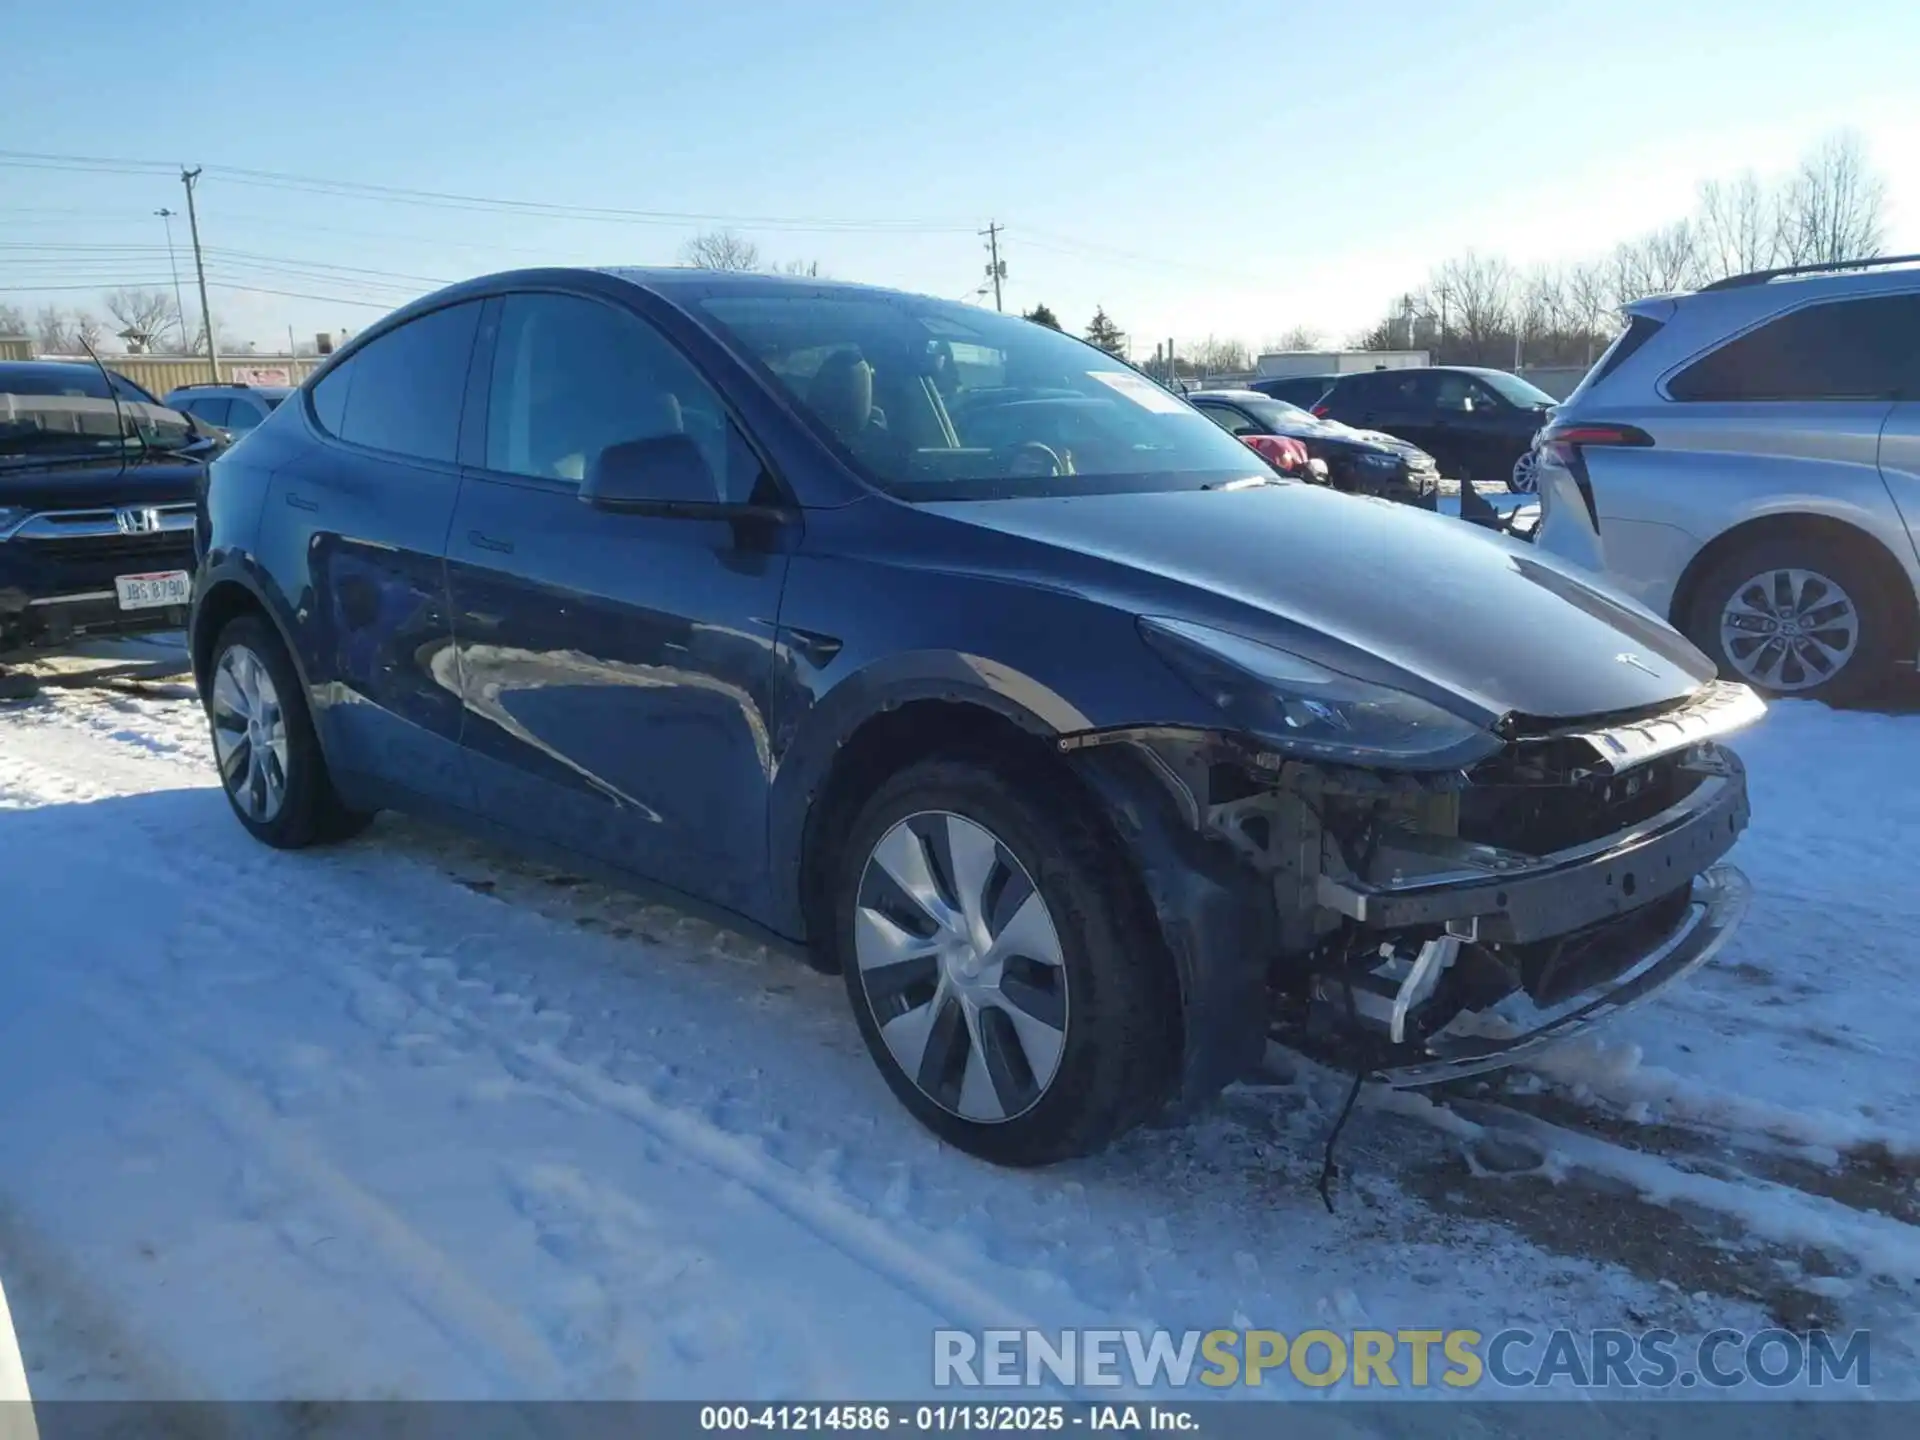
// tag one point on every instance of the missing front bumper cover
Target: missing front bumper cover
(1475, 1042)
(1479, 892)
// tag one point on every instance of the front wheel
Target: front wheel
(1796, 618)
(1525, 476)
(270, 763)
(1000, 964)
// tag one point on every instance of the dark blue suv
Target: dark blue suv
(987, 671)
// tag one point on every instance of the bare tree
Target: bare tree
(14, 322)
(1590, 306)
(721, 250)
(1739, 226)
(221, 335)
(86, 331)
(808, 268)
(144, 316)
(1300, 337)
(1476, 294)
(1658, 263)
(1834, 206)
(1214, 357)
(50, 334)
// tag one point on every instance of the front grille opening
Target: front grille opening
(114, 547)
(1537, 819)
(1552, 971)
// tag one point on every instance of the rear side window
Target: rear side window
(1374, 388)
(330, 397)
(1843, 350)
(403, 392)
(212, 409)
(1640, 329)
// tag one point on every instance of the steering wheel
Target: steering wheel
(1027, 453)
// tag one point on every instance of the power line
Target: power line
(96, 287)
(302, 295)
(278, 180)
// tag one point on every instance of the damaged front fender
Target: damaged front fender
(1215, 915)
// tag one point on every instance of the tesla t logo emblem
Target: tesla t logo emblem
(137, 522)
(1637, 663)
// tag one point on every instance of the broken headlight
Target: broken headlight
(1310, 711)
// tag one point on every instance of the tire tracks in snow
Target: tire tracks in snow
(409, 987)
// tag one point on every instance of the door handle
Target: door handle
(487, 542)
(300, 502)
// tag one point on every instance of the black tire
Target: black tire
(1862, 674)
(311, 812)
(1120, 1005)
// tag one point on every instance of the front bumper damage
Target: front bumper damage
(1423, 928)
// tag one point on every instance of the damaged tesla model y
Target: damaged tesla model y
(1089, 751)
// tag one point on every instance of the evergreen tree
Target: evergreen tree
(1041, 315)
(1103, 332)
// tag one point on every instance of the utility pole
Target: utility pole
(996, 267)
(179, 305)
(187, 177)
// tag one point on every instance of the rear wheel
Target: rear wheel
(1000, 966)
(1797, 617)
(263, 741)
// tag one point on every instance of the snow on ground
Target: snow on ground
(414, 1118)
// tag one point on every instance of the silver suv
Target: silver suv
(1745, 460)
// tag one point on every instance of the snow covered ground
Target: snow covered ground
(413, 1118)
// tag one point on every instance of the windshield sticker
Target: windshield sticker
(1142, 391)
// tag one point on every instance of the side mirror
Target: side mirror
(666, 476)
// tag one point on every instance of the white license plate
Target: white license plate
(150, 592)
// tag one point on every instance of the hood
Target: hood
(93, 484)
(1339, 434)
(1474, 620)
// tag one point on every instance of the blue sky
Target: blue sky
(1233, 168)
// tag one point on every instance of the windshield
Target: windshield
(939, 401)
(1277, 412)
(1514, 390)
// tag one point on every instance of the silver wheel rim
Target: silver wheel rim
(1523, 473)
(961, 966)
(1789, 630)
(249, 734)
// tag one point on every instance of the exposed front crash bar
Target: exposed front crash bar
(1481, 893)
(1719, 899)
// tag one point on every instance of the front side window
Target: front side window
(1228, 419)
(1460, 395)
(932, 400)
(1844, 350)
(402, 392)
(572, 377)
